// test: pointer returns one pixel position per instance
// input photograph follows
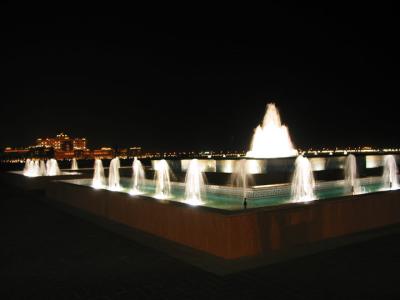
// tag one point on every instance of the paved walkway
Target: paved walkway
(48, 254)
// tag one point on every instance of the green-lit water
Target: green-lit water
(231, 202)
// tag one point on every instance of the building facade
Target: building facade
(62, 142)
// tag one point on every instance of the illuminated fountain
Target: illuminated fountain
(194, 187)
(32, 168)
(271, 139)
(390, 180)
(113, 175)
(240, 175)
(138, 177)
(27, 167)
(42, 168)
(351, 180)
(98, 175)
(48, 166)
(303, 182)
(74, 165)
(52, 168)
(162, 180)
(36, 168)
(214, 219)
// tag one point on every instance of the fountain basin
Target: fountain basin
(231, 198)
(235, 234)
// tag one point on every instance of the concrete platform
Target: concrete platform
(231, 241)
(51, 254)
(39, 183)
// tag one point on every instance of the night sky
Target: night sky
(202, 82)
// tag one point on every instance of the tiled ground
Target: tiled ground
(48, 254)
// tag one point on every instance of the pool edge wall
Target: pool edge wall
(251, 233)
(38, 183)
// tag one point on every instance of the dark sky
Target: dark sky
(203, 81)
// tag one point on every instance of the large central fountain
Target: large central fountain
(271, 138)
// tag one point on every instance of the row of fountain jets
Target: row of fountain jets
(35, 168)
(162, 177)
(302, 186)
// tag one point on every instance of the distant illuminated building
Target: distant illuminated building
(63, 142)
(79, 143)
(134, 151)
(103, 153)
(16, 151)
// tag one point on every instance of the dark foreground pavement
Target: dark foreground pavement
(49, 254)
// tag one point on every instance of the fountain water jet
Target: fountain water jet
(351, 180)
(271, 139)
(138, 177)
(113, 175)
(31, 168)
(36, 168)
(74, 165)
(42, 168)
(390, 180)
(162, 179)
(303, 183)
(98, 181)
(194, 180)
(52, 168)
(241, 176)
(27, 167)
(48, 166)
